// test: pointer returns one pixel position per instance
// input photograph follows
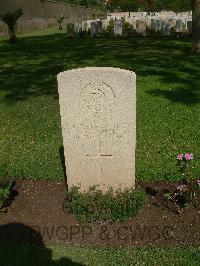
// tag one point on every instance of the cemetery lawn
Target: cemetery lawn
(168, 100)
(15, 254)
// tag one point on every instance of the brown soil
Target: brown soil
(37, 215)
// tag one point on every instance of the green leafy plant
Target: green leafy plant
(82, 33)
(101, 15)
(177, 35)
(93, 16)
(10, 19)
(186, 193)
(152, 32)
(60, 21)
(94, 205)
(127, 29)
(109, 31)
(5, 186)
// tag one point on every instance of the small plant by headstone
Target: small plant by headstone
(128, 29)
(100, 15)
(177, 35)
(96, 206)
(10, 19)
(93, 16)
(186, 193)
(109, 31)
(150, 31)
(5, 186)
(60, 21)
(88, 33)
(81, 33)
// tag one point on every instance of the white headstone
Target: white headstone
(141, 27)
(98, 117)
(89, 23)
(85, 26)
(166, 28)
(117, 27)
(78, 26)
(153, 24)
(178, 25)
(96, 28)
(172, 22)
(133, 23)
(184, 25)
(105, 23)
(70, 30)
(158, 25)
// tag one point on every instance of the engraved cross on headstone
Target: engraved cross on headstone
(101, 154)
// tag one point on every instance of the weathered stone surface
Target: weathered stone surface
(166, 28)
(159, 25)
(179, 25)
(141, 27)
(189, 27)
(154, 24)
(70, 30)
(105, 23)
(85, 26)
(172, 22)
(98, 117)
(78, 26)
(96, 28)
(117, 27)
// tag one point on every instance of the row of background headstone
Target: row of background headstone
(164, 14)
(159, 22)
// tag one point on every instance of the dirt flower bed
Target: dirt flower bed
(37, 214)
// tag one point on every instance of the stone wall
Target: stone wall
(38, 16)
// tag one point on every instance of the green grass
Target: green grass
(15, 254)
(168, 99)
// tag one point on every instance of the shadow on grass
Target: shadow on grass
(23, 245)
(62, 158)
(185, 96)
(29, 68)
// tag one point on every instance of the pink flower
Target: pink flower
(188, 156)
(180, 156)
(198, 182)
(181, 187)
